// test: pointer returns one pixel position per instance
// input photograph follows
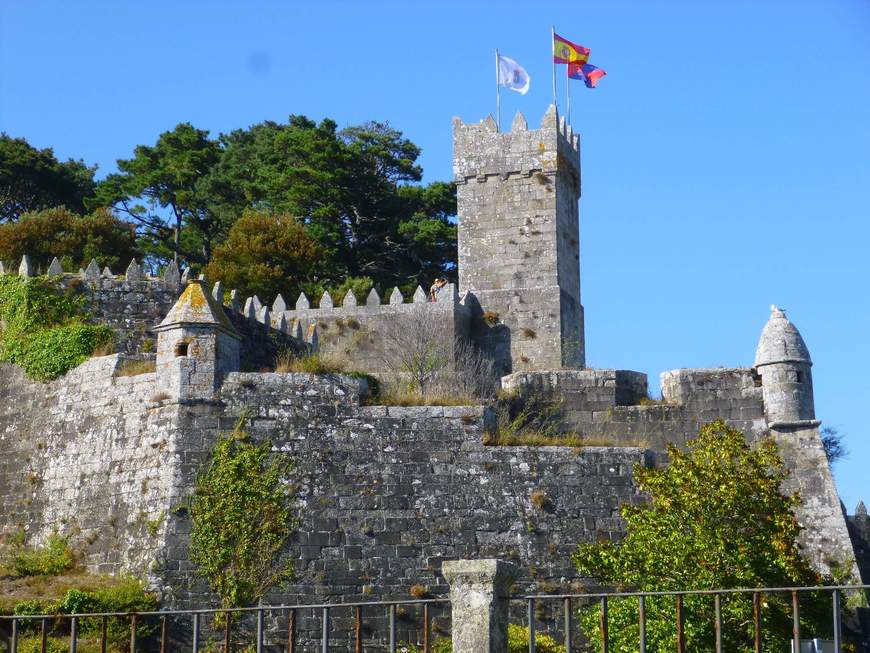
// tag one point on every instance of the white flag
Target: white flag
(512, 75)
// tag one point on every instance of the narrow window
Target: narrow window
(181, 349)
(800, 377)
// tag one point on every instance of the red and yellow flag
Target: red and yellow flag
(566, 52)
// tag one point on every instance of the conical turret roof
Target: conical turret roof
(780, 342)
(197, 306)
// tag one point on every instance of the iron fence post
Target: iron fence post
(568, 629)
(605, 636)
(392, 628)
(532, 642)
(195, 632)
(43, 647)
(73, 635)
(425, 628)
(324, 643)
(717, 610)
(681, 625)
(641, 622)
(756, 619)
(260, 630)
(104, 631)
(835, 599)
(13, 645)
(133, 621)
(795, 622)
(291, 631)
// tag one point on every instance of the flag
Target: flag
(566, 52)
(586, 72)
(512, 75)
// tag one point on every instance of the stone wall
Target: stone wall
(386, 494)
(613, 405)
(90, 455)
(517, 196)
(368, 335)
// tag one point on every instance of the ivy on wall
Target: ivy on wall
(44, 330)
(243, 514)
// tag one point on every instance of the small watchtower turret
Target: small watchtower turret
(519, 236)
(783, 362)
(197, 346)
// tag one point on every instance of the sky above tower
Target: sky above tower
(725, 154)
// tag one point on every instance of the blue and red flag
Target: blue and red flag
(585, 72)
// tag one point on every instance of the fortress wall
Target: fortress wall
(363, 333)
(388, 493)
(605, 405)
(131, 308)
(88, 455)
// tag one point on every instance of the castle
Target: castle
(387, 493)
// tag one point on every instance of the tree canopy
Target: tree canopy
(266, 254)
(32, 179)
(715, 519)
(356, 192)
(74, 239)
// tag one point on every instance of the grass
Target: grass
(136, 367)
(105, 349)
(533, 439)
(316, 363)
(649, 401)
(392, 395)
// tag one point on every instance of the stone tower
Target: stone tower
(519, 239)
(783, 362)
(197, 346)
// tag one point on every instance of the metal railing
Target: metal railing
(571, 602)
(46, 623)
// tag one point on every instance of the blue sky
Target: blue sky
(726, 156)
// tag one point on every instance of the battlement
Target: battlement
(481, 152)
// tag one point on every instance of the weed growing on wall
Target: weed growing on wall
(243, 515)
(44, 330)
(53, 559)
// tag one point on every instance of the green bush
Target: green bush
(44, 330)
(518, 642)
(51, 560)
(128, 595)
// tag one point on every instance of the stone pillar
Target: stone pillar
(479, 591)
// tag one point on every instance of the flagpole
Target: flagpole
(552, 41)
(497, 94)
(568, 92)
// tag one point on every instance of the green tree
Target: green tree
(74, 239)
(243, 516)
(169, 178)
(715, 519)
(33, 180)
(266, 254)
(355, 190)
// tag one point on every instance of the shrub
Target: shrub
(518, 642)
(491, 318)
(716, 518)
(243, 515)
(53, 559)
(44, 330)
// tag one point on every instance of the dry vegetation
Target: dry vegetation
(315, 363)
(136, 367)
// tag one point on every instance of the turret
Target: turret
(197, 346)
(783, 362)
